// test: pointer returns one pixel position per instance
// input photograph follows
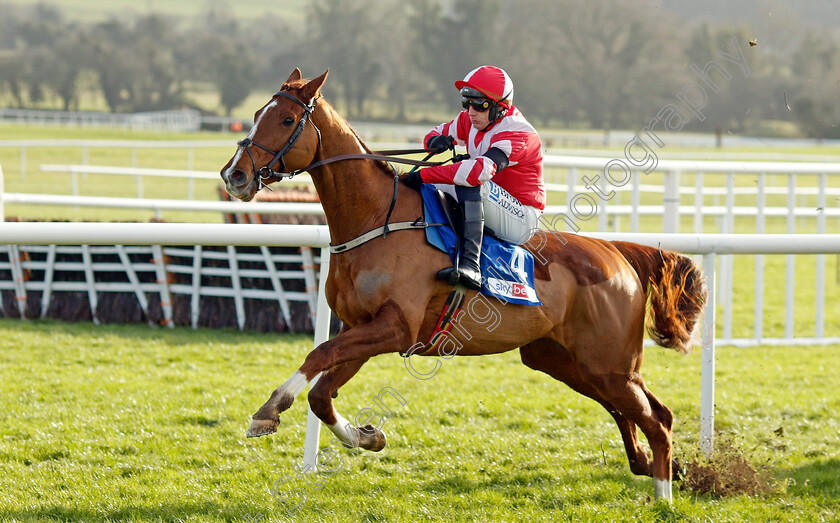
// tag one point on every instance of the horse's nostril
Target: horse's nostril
(238, 177)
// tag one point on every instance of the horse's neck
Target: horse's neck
(355, 194)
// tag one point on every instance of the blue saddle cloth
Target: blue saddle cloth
(507, 269)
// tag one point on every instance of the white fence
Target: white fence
(826, 206)
(814, 205)
(158, 234)
(148, 265)
(62, 148)
(671, 209)
(163, 273)
(175, 121)
(158, 205)
(137, 173)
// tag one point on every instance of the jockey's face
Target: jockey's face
(479, 119)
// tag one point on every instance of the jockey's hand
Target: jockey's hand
(413, 180)
(440, 143)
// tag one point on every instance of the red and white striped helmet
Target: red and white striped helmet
(492, 82)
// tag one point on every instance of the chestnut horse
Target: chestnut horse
(588, 332)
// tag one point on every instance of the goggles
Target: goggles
(479, 104)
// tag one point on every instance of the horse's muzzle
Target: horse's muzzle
(237, 184)
(237, 178)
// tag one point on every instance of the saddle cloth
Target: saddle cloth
(507, 269)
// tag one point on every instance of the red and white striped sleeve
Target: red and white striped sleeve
(458, 129)
(472, 172)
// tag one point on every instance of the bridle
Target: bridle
(266, 172)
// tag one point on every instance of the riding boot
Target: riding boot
(467, 269)
(473, 235)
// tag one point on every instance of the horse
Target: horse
(588, 332)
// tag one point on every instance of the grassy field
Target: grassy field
(128, 423)
(122, 423)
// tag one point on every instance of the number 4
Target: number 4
(517, 265)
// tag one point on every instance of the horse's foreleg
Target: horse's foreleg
(267, 418)
(320, 400)
(387, 331)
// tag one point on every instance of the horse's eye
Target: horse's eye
(288, 121)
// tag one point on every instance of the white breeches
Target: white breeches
(503, 214)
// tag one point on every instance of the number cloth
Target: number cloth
(507, 270)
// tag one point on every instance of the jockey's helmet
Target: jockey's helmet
(487, 81)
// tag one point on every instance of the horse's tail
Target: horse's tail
(676, 289)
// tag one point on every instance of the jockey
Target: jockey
(502, 181)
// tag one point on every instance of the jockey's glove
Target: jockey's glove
(440, 143)
(413, 180)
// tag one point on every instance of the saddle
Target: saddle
(507, 269)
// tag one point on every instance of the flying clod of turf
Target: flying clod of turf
(728, 472)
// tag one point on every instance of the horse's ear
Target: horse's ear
(295, 76)
(311, 89)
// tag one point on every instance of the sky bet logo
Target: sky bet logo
(518, 290)
(511, 289)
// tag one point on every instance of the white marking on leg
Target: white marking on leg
(662, 489)
(343, 430)
(251, 134)
(294, 385)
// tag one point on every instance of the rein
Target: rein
(385, 156)
(267, 172)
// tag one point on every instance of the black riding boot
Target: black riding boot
(467, 270)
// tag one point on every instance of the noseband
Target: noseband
(267, 172)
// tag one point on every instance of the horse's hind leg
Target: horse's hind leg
(320, 400)
(629, 395)
(549, 357)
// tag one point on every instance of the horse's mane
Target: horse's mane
(385, 167)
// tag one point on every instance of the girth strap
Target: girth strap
(378, 232)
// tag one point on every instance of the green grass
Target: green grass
(139, 424)
(127, 423)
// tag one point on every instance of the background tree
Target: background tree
(740, 99)
(12, 78)
(69, 58)
(343, 36)
(575, 62)
(448, 43)
(48, 66)
(403, 83)
(816, 96)
(618, 62)
(157, 84)
(232, 71)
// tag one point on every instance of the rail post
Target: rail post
(707, 371)
(2, 191)
(322, 333)
(671, 202)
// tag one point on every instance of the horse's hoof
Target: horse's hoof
(261, 427)
(371, 438)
